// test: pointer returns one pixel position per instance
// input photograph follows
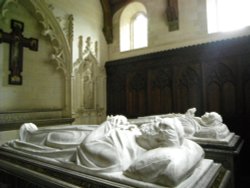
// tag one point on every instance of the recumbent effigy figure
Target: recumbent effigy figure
(154, 152)
(210, 125)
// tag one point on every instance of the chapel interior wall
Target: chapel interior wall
(192, 29)
(46, 88)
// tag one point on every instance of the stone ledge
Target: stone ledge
(12, 125)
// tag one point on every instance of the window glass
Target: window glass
(227, 15)
(133, 27)
(139, 31)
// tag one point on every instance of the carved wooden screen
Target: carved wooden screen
(160, 86)
(210, 77)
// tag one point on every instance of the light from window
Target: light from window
(124, 37)
(133, 27)
(139, 32)
(227, 15)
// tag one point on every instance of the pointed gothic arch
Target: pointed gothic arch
(61, 57)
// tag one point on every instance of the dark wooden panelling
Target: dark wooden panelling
(211, 77)
(160, 91)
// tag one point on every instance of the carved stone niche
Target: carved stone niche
(85, 86)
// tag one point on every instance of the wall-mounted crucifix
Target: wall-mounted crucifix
(17, 42)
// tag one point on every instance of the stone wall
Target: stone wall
(192, 28)
(46, 92)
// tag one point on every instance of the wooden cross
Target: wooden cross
(17, 42)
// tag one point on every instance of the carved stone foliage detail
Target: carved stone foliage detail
(51, 29)
(5, 7)
(59, 30)
(61, 43)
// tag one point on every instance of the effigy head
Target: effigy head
(166, 132)
(211, 118)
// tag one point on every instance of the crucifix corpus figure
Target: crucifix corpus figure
(17, 42)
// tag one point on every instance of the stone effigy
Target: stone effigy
(208, 126)
(209, 131)
(170, 158)
(155, 152)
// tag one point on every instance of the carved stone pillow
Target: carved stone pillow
(166, 166)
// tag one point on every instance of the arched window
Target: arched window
(139, 31)
(133, 27)
(227, 15)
